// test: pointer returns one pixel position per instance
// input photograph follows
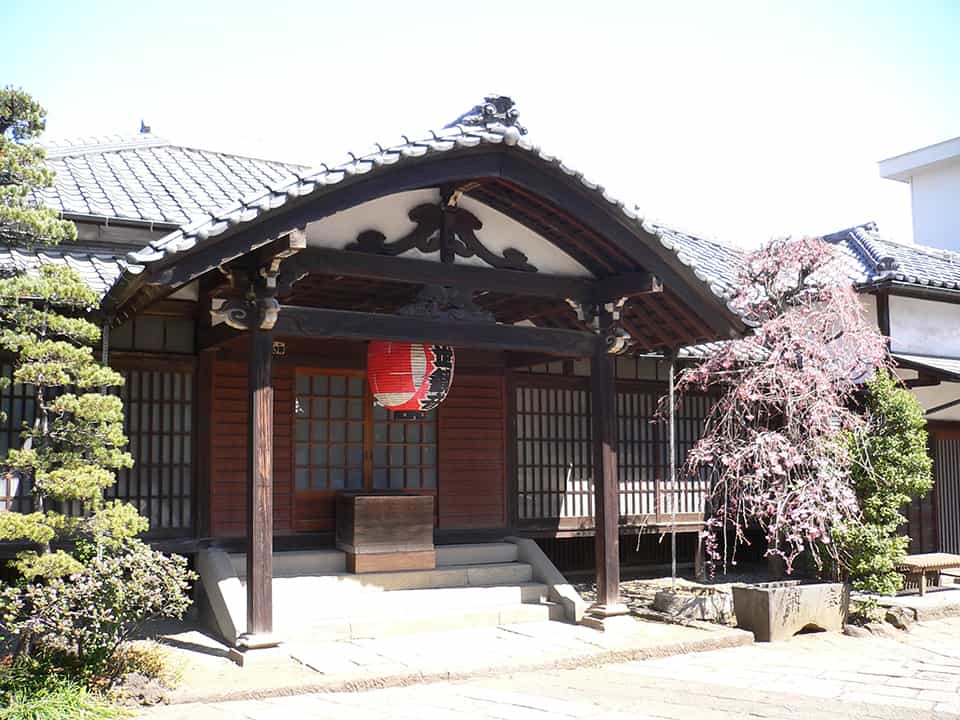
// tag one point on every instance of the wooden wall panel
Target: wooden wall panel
(315, 512)
(228, 449)
(472, 454)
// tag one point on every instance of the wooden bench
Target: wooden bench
(919, 567)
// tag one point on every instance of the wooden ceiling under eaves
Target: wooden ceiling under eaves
(654, 321)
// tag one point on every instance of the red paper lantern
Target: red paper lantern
(409, 377)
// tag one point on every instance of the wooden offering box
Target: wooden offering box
(380, 532)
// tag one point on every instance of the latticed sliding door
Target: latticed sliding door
(159, 408)
(553, 452)
(947, 483)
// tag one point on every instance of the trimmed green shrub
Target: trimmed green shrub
(891, 467)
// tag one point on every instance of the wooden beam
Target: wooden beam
(260, 485)
(626, 285)
(606, 487)
(255, 251)
(297, 321)
(326, 261)
(883, 315)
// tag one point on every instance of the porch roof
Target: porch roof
(706, 267)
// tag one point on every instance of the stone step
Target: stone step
(357, 628)
(476, 554)
(296, 563)
(303, 604)
(452, 576)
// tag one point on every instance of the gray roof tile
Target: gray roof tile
(98, 269)
(146, 178)
(874, 259)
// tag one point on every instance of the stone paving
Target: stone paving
(913, 675)
(303, 665)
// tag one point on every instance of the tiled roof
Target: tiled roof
(876, 259)
(713, 262)
(146, 178)
(710, 262)
(99, 270)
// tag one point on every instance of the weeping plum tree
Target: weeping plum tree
(774, 445)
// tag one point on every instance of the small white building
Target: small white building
(933, 174)
(913, 290)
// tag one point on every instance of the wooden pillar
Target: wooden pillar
(260, 486)
(605, 484)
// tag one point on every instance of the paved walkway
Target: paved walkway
(913, 676)
(303, 665)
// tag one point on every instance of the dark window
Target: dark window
(345, 442)
(149, 333)
(404, 453)
(18, 403)
(329, 430)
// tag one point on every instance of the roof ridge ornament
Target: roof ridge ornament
(496, 112)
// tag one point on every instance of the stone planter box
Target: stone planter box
(779, 610)
(711, 606)
(384, 532)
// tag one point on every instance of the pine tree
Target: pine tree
(91, 582)
(23, 220)
(75, 445)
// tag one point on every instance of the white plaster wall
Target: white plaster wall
(924, 327)
(389, 215)
(935, 196)
(931, 397)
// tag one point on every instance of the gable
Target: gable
(393, 219)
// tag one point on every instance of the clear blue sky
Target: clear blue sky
(738, 119)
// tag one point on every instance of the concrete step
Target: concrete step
(301, 603)
(476, 554)
(358, 627)
(320, 586)
(296, 563)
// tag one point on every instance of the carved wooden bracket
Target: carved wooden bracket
(615, 337)
(248, 313)
(254, 288)
(426, 237)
